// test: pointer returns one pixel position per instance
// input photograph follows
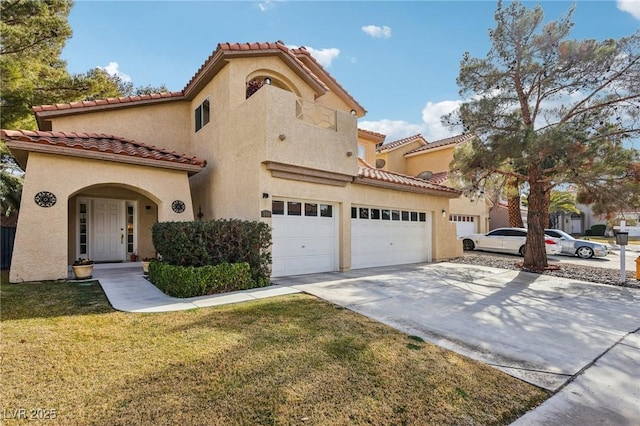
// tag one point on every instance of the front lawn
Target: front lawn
(286, 360)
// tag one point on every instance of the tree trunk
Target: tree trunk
(513, 203)
(535, 257)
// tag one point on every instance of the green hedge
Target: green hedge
(598, 230)
(203, 243)
(190, 281)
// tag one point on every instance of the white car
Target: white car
(506, 240)
(574, 247)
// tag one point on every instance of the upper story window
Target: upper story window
(202, 114)
(361, 151)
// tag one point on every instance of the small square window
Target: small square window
(364, 213)
(277, 207)
(423, 217)
(294, 208)
(395, 215)
(354, 212)
(310, 209)
(414, 216)
(326, 210)
(405, 215)
(386, 214)
(375, 214)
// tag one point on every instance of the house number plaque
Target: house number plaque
(178, 206)
(45, 199)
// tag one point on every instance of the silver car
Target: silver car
(574, 247)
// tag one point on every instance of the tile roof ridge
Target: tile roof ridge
(411, 178)
(400, 142)
(457, 139)
(106, 101)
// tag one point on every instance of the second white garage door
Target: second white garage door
(385, 236)
(305, 237)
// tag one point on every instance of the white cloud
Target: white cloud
(431, 115)
(265, 5)
(393, 129)
(376, 31)
(324, 56)
(113, 69)
(431, 128)
(630, 6)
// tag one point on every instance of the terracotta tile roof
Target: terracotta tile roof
(397, 144)
(374, 135)
(454, 140)
(107, 102)
(399, 181)
(439, 178)
(99, 146)
(363, 163)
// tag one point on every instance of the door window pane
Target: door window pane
(310, 209)
(326, 210)
(294, 209)
(395, 215)
(405, 215)
(375, 213)
(386, 214)
(277, 207)
(364, 213)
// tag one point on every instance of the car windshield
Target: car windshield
(558, 233)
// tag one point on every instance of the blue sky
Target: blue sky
(398, 59)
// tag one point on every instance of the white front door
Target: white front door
(108, 231)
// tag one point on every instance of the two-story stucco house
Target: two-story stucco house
(414, 156)
(261, 132)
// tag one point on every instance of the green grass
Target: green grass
(280, 361)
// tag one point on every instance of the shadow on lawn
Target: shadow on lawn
(48, 299)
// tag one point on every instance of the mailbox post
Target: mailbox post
(622, 239)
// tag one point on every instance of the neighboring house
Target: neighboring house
(270, 136)
(499, 215)
(414, 156)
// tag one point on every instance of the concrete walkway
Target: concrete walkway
(579, 340)
(128, 290)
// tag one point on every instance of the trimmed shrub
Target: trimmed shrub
(190, 281)
(215, 242)
(598, 230)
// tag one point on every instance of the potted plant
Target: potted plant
(82, 268)
(133, 256)
(145, 264)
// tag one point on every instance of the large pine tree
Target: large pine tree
(548, 110)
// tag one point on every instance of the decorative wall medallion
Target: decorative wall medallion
(45, 199)
(178, 206)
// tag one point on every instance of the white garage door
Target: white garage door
(305, 237)
(382, 237)
(465, 224)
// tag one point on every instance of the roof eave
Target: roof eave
(27, 147)
(448, 193)
(413, 153)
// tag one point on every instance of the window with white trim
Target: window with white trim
(202, 114)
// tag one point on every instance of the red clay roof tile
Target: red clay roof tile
(454, 140)
(404, 180)
(107, 144)
(397, 144)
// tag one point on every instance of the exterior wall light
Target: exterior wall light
(353, 112)
(444, 213)
(267, 80)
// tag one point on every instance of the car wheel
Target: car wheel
(468, 245)
(521, 251)
(584, 252)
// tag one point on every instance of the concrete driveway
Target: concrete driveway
(542, 329)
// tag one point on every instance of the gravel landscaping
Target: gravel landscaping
(576, 272)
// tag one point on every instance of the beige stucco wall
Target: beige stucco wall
(432, 160)
(395, 159)
(40, 250)
(163, 125)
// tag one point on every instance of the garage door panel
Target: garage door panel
(377, 242)
(303, 244)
